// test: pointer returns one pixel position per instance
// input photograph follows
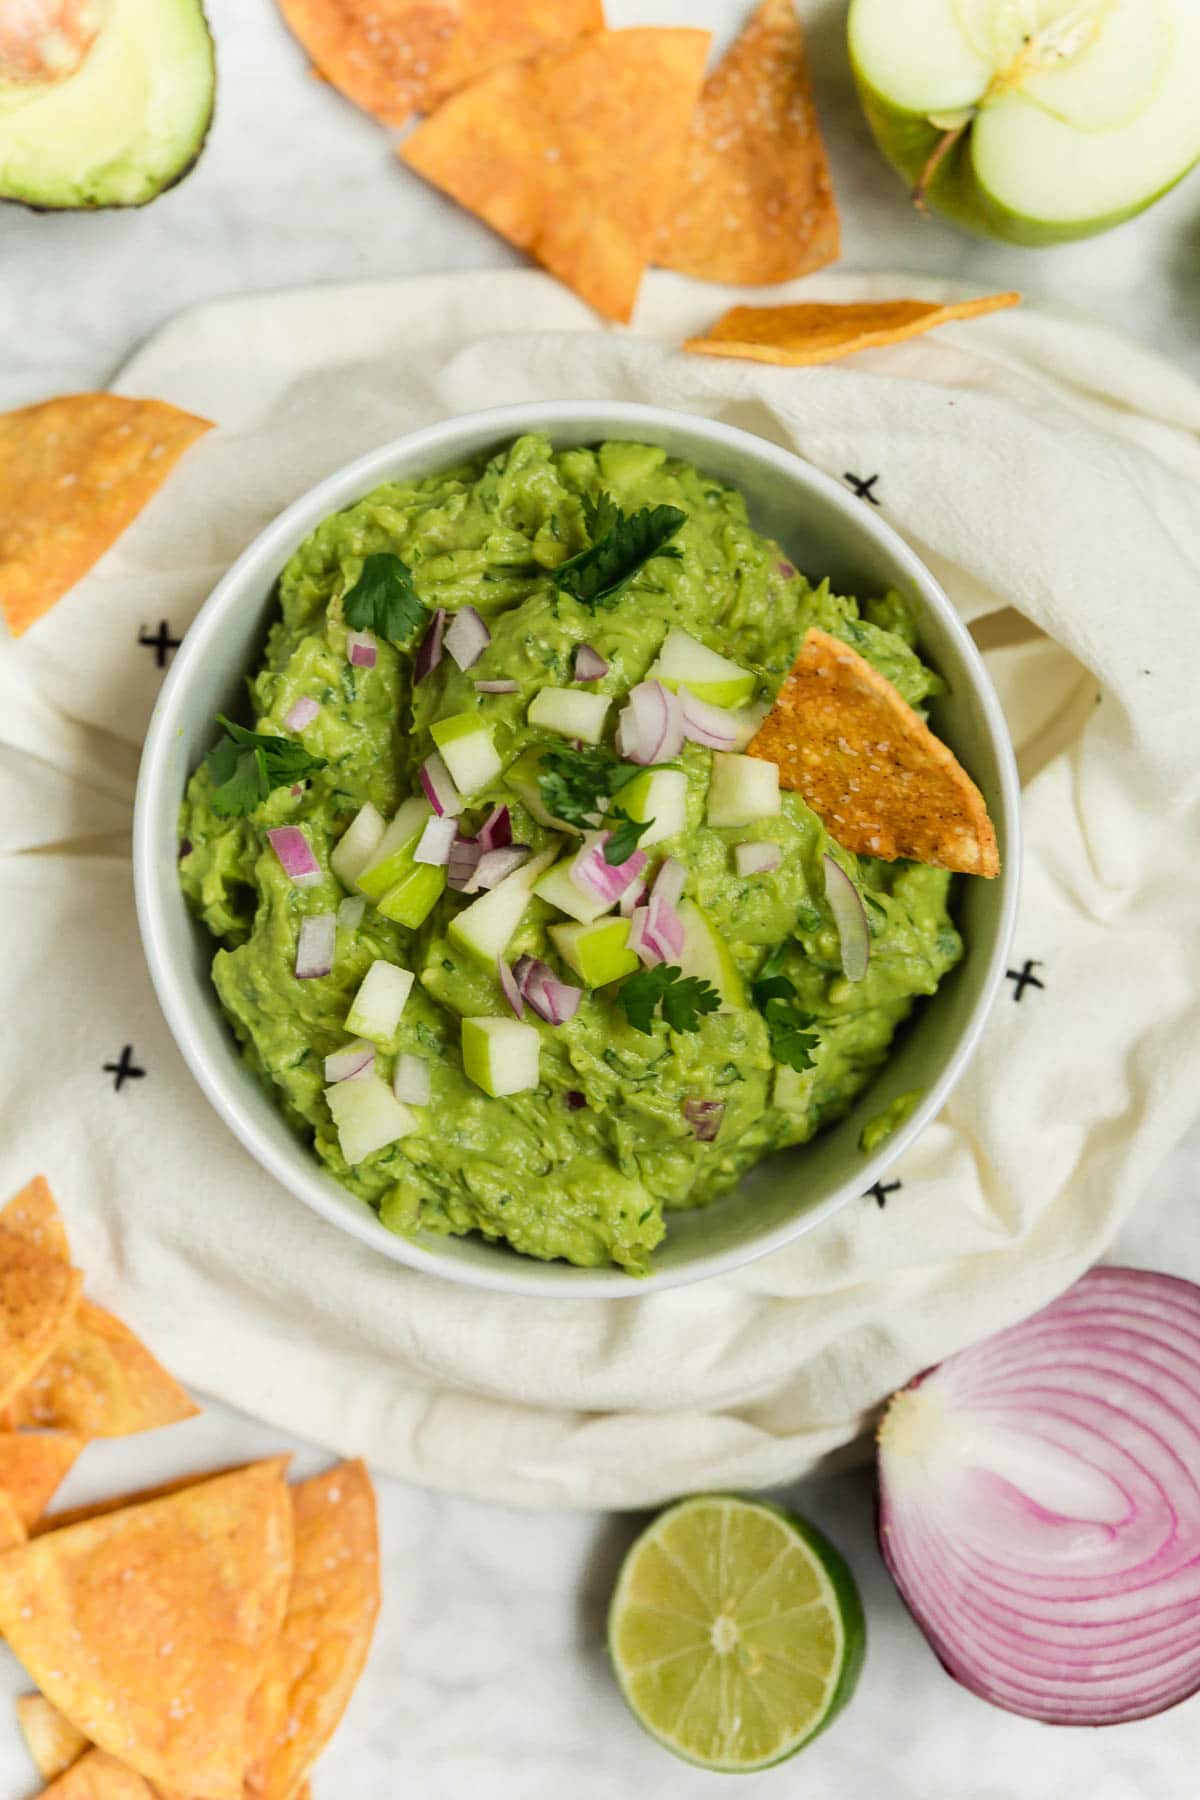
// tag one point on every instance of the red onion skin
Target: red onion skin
(429, 652)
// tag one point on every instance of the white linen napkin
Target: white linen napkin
(1049, 472)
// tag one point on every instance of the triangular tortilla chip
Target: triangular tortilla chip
(12, 1528)
(38, 1296)
(96, 1509)
(102, 1381)
(74, 473)
(397, 57)
(869, 767)
(52, 1741)
(99, 1777)
(33, 1215)
(319, 1654)
(824, 332)
(755, 202)
(574, 156)
(32, 1465)
(149, 1628)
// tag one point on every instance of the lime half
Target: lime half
(736, 1632)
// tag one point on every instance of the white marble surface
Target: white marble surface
(488, 1677)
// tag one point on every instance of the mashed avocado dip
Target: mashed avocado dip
(653, 1091)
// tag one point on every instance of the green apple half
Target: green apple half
(1032, 120)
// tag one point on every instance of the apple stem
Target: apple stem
(938, 155)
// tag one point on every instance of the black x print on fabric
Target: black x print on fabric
(1024, 977)
(864, 487)
(881, 1190)
(124, 1069)
(160, 641)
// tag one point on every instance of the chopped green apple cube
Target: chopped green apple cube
(742, 789)
(660, 795)
(393, 856)
(486, 926)
(467, 751)
(368, 1116)
(684, 661)
(598, 953)
(358, 845)
(706, 954)
(375, 1011)
(411, 900)
(557, 887)
(574, 713)
(500, 1055)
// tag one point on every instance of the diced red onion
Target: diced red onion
(668, 883)
(589, 664)
(650, 728)
(494, 865)
(436, 842)
(1038, 1504)
(465, 854)
(712, 726)
(315, 946)
(467, 637)
(850, 917)
(601, 880)
(350, 912)
(756, 859)
(429, 652)
(361, 649)
(510, 987)
(632, 898)
(497, 687)
(786, 569)
(295, 854)
(640, 943)
(439, 789)
(411, 1080)
(551, 999)
(704, 1117)
(351, 1061)
(296, 789)
(302, 712)
(496, 831)
(574, 1101)
(664, 928)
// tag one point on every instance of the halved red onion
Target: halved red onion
(668, 883)
(362, 649)
(850, 917)
(664, 928)
(712, 726)
(632, 898)
(704, 1117)
(601, 880)
(551, 999)
(436, 842)
(411, 1080)
(315, 946)
(429, 651)
(350, 912)
(439, 789)
(650, 728)
(465, 854)
(510, 987)
(467, 637)
(496, 831)
(589, 664)
(756, 859)
(295, 854)
(302, 712)
(494, 865)
(351, 1061)
(497, 687)
(1039, 1504)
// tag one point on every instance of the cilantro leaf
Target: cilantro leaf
(684, 998)
(384, 600)
(793, 1031)
(573, 782)
(624, 840)
(246, 765)
(622, 544)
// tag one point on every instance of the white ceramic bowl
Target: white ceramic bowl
(827, 532)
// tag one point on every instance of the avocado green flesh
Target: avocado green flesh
(127, 124)
(589, 1184)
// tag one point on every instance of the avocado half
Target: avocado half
(102, 102)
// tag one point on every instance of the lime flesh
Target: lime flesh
(736, 1632)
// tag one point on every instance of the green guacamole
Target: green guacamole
(587, 1164)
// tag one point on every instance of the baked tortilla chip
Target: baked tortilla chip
(38, 1296)
(318, 1657)
(96, 1509)
(99, 1777)
(33, 1215)
(397, 57)
(32, 1465)
(870, 768)
(823, 332)
(149, 1628)
(12, 1529)
(74, 473)
(575, 155)
(100, 1380)
(51, 1740)
(755, 203)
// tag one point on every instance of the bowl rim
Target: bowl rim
(298, 1170)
